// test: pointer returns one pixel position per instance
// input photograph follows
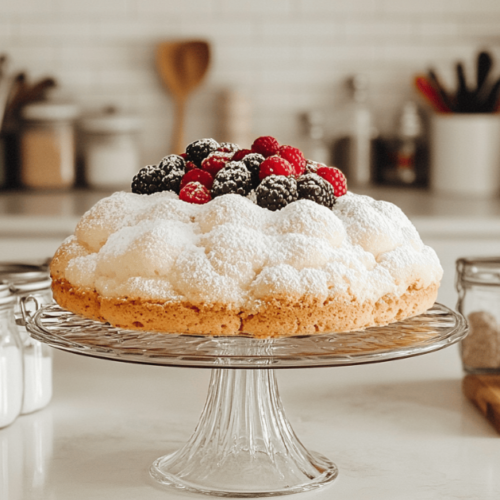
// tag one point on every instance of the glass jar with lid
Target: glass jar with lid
(478, 286)
(111, 152)
(11, 359)
(33, 280)
(47, 145)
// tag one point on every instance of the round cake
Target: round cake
(228, 266)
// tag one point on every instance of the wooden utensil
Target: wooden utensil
(484, 392)
(182, 67)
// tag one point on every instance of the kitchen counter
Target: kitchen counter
(396, 430)
(56, 213)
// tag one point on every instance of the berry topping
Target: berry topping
(214, 162)
(233, 178)
(312, 166)
(315, 188)
(183, 155)
(274, 165)
(276, 192)
(197, 175)
(228, 147)
(195, 192)
(170, 162)
(239, 155)
(295, 157)
(266, 146)
(190, 166)
(252, 161)
(336, 178)
(148, 180)
(197, 151)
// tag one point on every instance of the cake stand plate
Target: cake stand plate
(243, 445)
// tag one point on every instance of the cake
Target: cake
(173, 262)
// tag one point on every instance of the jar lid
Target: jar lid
(110, 120)
(479, 271)
(24, 277)
(50, 111)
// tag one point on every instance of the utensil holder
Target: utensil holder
(465, 154)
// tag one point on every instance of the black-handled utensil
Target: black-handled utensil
(484, 65)
(445, 97)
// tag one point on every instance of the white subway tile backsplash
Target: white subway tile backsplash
(286, 55)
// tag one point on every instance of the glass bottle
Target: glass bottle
(11, 360)
(313, 141)
(478, 286)
(353, 151)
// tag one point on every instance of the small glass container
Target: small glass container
(32, 280)
(111, 151)
(47, 145)
(11, 360)
(478, 286)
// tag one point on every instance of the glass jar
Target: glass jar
(478, 286)
(11, 360)
(32, 280)
(111, 153)
(47, 145)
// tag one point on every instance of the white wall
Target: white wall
(286, 55)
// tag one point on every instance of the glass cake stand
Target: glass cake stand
(243, 445)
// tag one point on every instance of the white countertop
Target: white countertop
(396, 430)
(56, 213)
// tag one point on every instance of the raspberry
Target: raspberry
(190, 166)
(295, 157)
(274, 165)
(194, 192)
(239, 155)
(315, 188)
(336, 178)
(276, 192)
(197, 151)
(215, 162)
(197, 175)
(266, 146)
(183, 156)
(228, 147)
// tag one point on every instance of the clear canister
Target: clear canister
(47, 146)
(11, 360)
(478, 286)
(32, 280)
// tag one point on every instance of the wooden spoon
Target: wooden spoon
(182, 67)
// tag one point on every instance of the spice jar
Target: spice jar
(31, 280)
(47, 145)
(11, 360)
(111, 154)
(478, 286)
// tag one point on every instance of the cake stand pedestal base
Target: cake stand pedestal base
(243, 445)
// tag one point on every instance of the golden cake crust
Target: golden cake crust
(277, 317)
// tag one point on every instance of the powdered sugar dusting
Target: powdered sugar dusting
(233, 251)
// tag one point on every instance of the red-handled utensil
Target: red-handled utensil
(431, 95)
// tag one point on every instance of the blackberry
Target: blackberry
(233, 178)
(276, 192)
(197, 151)
(312, 166)
(172, 180)
(172, 162)
(149, 180)
(252, 161)
(315, 188)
